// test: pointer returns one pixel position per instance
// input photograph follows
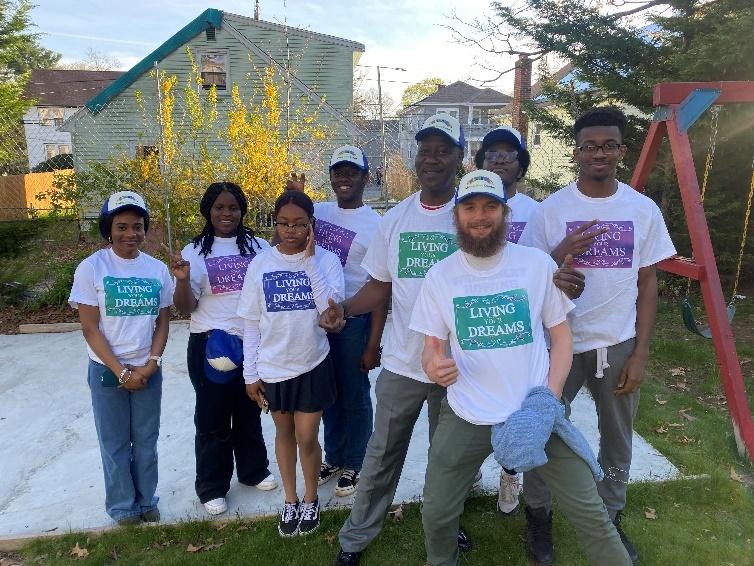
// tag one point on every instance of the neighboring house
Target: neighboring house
(370, 142)
(227, 49)
(58, 94)
(476, 108)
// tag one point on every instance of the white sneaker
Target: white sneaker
(507, 497)
(216, 506)
(267, 484)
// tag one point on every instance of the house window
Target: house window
(51, 116)
(53, 149)
(481, 116)
(452, 111)
(536, 135)
(213, 66)
(146, 150)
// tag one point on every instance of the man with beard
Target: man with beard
(613, 319)
(346, 227)
(488, 304)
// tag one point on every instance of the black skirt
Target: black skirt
(310, 392)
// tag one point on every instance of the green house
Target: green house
(227, 49)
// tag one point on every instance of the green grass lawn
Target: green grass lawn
(708, 520)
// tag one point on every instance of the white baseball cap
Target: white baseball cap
(123, 199)
(481, 182)
(444, 124)
(349, 154)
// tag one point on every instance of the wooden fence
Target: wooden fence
(21, 196)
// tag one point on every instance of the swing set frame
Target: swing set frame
(677, 107)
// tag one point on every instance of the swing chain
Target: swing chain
(744, 232)
(710, 150)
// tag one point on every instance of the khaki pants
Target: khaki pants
(459, 448)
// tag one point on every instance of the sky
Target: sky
(408, 34)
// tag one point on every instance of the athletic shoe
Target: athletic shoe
(129, 521)
(477, 485)
(216, 506)
(507, 497)
(633, 554)
(289, 519)
(347, 483)
(539, 536)
(267, 484)
(347, 558)
(464, 541)
(151, 516)
(309, 517)
(327, 472)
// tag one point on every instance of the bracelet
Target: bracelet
(345, 310)
(120, 377)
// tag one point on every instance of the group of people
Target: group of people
(502, 308)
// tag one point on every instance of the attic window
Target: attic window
(213, 66)
(210, 33)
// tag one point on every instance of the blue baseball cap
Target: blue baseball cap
(443, 124)
(223, 357)
(504, 134)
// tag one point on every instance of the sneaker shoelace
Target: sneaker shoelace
(309, 512)
(349, 476)
(289, 512)
(510, 488)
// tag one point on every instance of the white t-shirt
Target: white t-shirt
(129, 294)
(605, 314)
(286, 294)
(346, 232)
(216, 282)
(494, 320)
(409, 240)
(521, 208)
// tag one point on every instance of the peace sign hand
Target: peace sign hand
(295, 182)
(179, 267)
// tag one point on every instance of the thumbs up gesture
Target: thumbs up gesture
(568, 280)
(438, 366)
(333, 319)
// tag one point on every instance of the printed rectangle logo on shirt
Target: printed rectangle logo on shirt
(287, 291)
(131, 296)
(226, 273)
(613, 249)
(418, 251)
(494, 321)
(334, 238)
(515, 229)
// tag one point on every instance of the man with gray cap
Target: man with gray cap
(346, 228)
(411, 237)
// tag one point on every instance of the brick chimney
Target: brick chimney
(521, 92)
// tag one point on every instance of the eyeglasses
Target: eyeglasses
(283, 225)
(609, 148)
(501, 156)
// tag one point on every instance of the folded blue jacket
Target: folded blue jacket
(519, 442)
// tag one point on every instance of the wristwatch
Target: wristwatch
(157, 359)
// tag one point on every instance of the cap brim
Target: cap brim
(359, 167)
(481, 193)
(128, 207)
(501, 136)
(421, 134)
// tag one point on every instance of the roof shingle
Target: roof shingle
(67, 88)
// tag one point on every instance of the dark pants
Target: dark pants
(348, 423)
(227, 424)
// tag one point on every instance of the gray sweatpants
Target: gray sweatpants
(615, 419)
(399, 402)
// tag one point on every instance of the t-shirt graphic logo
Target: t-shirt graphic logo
(418, 251)
(131, 296)
(287, 291)
(334, 238)
(226, 273)
(493, 321)
(515, 229)
(613, 249)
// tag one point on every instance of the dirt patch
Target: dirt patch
(13, 316)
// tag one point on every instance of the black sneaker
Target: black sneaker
(347, 558)
(289, 519)
(633, 554)
(464, 542)
(327, 472)
(347, 483)
(151, 516)
(539, 536)
(309, 513)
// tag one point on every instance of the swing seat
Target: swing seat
(691, 323)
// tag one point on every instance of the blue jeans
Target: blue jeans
(348, 423)
(128, 424)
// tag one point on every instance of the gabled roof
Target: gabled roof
(67, 88)
(209, 18)
(460, 92)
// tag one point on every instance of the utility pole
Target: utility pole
(383, 177)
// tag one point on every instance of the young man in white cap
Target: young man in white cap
(488, 305)
(411, 237)
(616, 235)
(346, 228)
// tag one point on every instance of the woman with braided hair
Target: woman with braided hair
(209, 276)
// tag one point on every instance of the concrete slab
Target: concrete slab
(50, 468)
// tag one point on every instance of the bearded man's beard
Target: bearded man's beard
(486, 246)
